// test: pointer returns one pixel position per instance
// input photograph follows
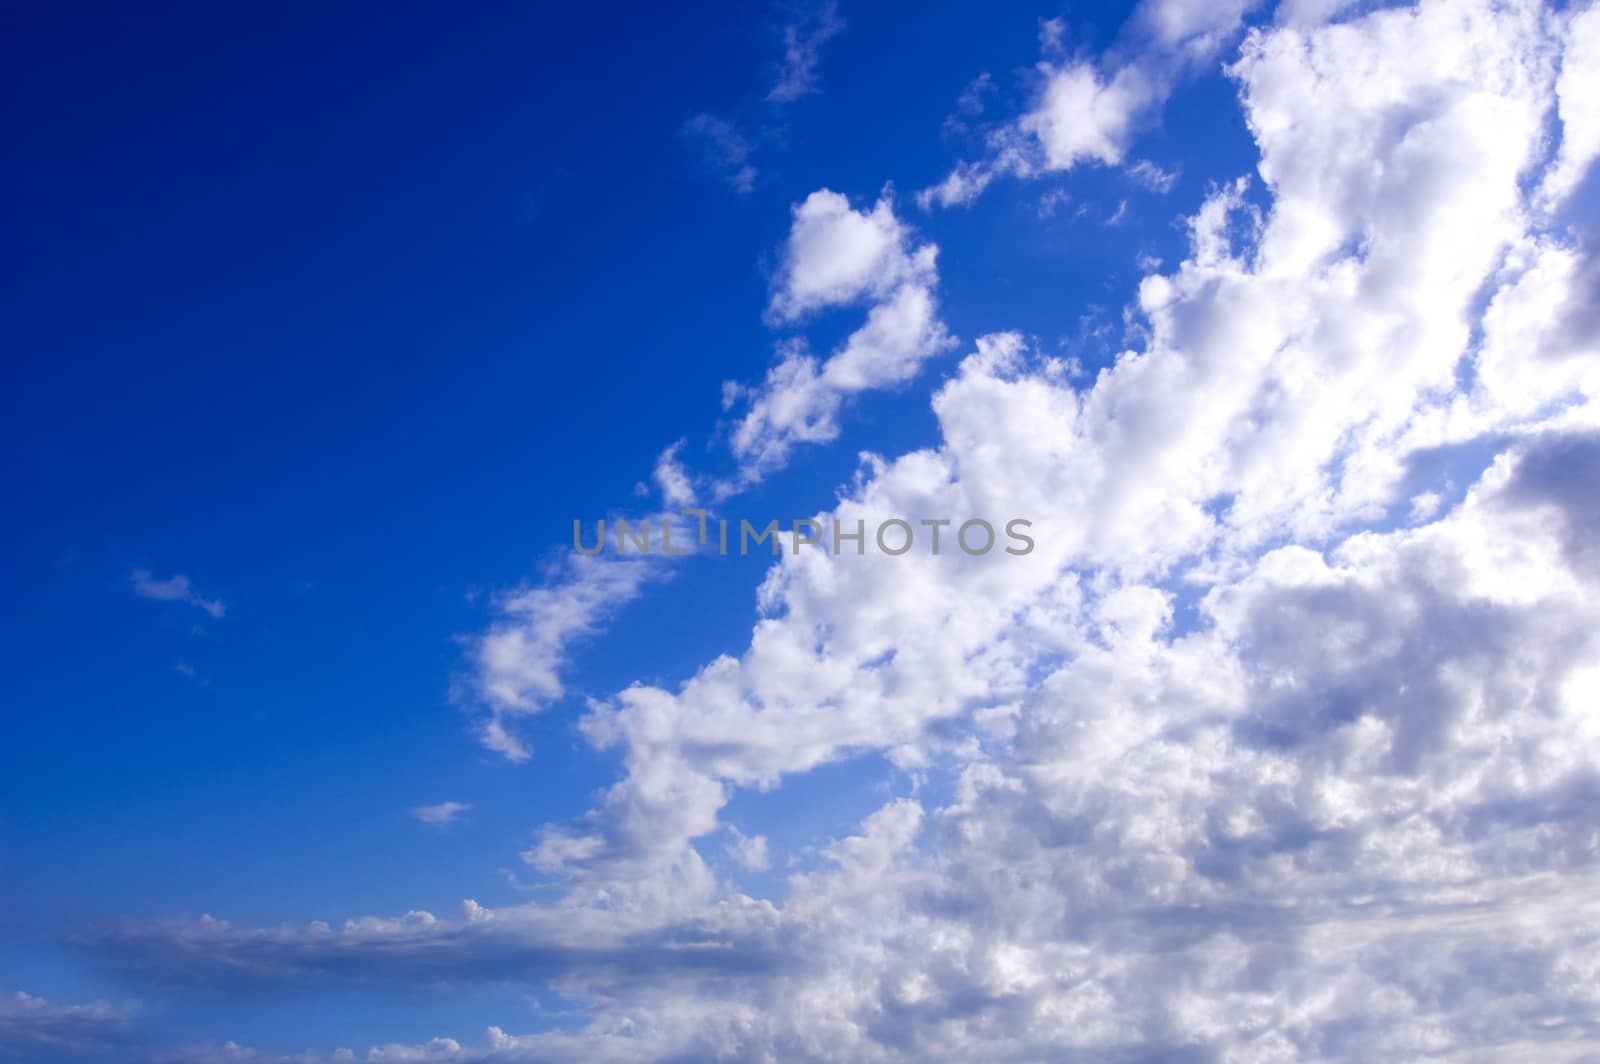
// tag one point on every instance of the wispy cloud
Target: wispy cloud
(727, 146)
(443, 814)
(32, 1028)
(674, 481)
(174, 589)
(807, 30)
(723, 148)
(1153, 177)
(518, 661)
(1089, 112)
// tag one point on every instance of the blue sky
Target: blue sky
(324, 326)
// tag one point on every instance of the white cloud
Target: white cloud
(1089, 112)
(1311, 13)
(963, 185)
(32, 1028)
(834, 256)
(1312, 737)
(674, 481)
(443, 814)
(749, 852)
(517, 663)
(838, 256)
(808, 29)
(1193, 29)
(1578, 96)
(174, 589)
(1152, 176)
(1080, 117)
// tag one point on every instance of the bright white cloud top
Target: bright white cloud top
(839, 256)
(1275, 749)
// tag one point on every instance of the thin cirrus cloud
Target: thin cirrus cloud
(727, 150)
(442, 814)
(673, 479)
(724, 149)
(174, 589)
(516, 665)
(804, 33)
(1286, 754)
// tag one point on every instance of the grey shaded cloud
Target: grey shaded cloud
(35, 1029)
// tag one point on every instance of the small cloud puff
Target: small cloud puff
(174, 589)
(441, 815)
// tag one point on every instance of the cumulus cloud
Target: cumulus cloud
(174, 589)
(1252, 759)
(835, 256)
(838, 256)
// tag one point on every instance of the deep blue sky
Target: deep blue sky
(345, 314)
